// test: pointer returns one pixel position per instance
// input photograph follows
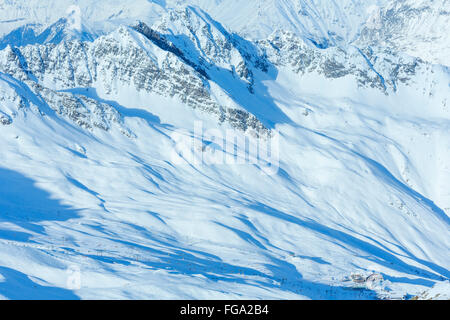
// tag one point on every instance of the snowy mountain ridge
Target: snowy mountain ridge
(115, 175)
(416, 27)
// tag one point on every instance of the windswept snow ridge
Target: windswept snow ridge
(224, 149)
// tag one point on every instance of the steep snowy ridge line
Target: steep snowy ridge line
(161, 42)
(198, 97)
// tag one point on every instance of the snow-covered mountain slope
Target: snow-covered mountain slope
(416, 27)
(55, 33)
(102, 15)
(115, 181)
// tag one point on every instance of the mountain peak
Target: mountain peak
(260, 149)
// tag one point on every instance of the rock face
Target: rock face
(410, 26)
(33, 34)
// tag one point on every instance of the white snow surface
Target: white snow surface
(361, 188)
